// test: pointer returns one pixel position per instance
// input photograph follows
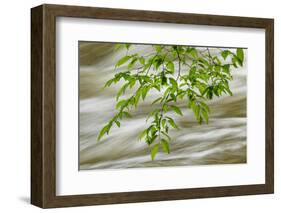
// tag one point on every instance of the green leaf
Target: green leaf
(122, 61)
(145, 90)
(240, 55)
(156, 100)
(137, 97)
(127, 114)
(171, 67)
(165, 108)
(193, 52)
(192, 71)
(117, 123)
(132, 82)
(153, 139)
(132, 101)
(120, 104)
(203, 62)
(143, 134)
(174, 83)
(121, 91)
(157, 87)
(104, 130)
(205, 115)
(196, 109)
(210, 92)
(205, 106)
(132, 63)
(154, 151)
(142, 60)
(163, 78)
(157, 62)
(153, 131)
(217, 68)
(146, 66)
(226, 68)
(217, 60)
(225, 53)
(173, 97)
(176, 109)
(234, 60)
(163, 123)
(165, 146)
(167, 92)
(172, 123)
(228, 90)
(109, 82)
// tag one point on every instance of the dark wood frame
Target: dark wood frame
(43, 105)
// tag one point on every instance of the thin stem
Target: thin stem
(151, 64)
(211, 58)
(179, 65)
(161, 115)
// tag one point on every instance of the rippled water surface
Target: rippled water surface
(222, 141)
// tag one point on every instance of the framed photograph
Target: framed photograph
(136, 106)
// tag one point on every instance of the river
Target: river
(222, 141)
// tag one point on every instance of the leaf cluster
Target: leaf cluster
(177, 73)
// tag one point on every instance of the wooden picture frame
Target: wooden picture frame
(43, 105)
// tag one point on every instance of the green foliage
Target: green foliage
(154, 151)
(177, 72)
(122, 61)
(165, 145)
(240, 56)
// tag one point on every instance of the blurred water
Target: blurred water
(222, 141)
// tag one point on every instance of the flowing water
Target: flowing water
(222, 141)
